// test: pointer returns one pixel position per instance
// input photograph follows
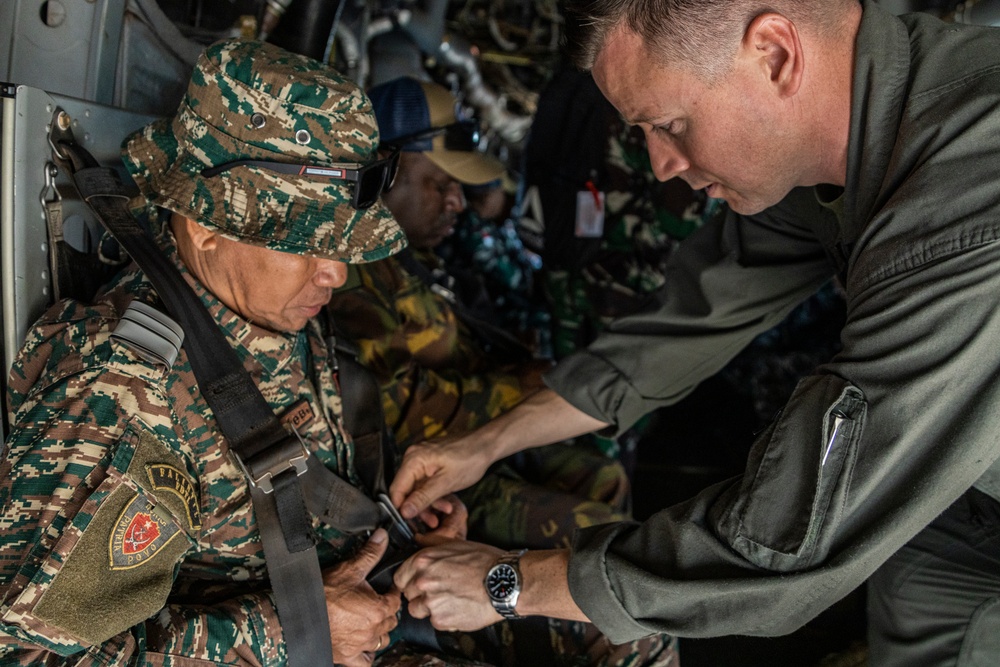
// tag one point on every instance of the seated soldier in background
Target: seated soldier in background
(486, 248)
(607, 224)
(440, 378)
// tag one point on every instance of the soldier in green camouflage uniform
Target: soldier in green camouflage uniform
(487, 248)
(438, 380)
(644, 221)
(436, 376)
(128, 535)
(580, 144)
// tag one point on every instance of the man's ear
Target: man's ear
(772, 40)
(201, 237)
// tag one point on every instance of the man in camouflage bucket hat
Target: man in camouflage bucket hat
(224, 159)
(128, 533)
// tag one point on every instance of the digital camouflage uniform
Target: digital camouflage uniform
(106, 445)
(128, 535)
(437, 381)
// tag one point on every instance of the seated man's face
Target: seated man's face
(277, 290)
(424, 200)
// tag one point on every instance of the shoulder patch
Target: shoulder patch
(165, 477)
(150, 334)
(138, 535)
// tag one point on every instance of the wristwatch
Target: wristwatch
(503, 583)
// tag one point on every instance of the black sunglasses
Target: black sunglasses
(370, 180)
(461, 135)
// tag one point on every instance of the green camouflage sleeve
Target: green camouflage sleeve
(435, 381)
(99, 510)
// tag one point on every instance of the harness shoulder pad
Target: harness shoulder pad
(149, 333)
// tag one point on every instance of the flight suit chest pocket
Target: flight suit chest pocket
(798, 477)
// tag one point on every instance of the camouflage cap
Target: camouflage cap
(254, 101)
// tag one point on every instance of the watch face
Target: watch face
(501, 582)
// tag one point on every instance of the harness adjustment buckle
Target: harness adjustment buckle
(395, 518)
(290, 454)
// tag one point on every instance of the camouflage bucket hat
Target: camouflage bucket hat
(255, 101)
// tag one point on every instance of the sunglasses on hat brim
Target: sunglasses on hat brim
(461, 135)
(370, 180)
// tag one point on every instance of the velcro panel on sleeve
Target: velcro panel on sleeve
(117, 568)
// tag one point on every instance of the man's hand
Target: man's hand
(360, 618)
(445, 582)
(432, 470)
(447, 518)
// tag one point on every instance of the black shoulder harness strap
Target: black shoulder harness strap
(284, 477)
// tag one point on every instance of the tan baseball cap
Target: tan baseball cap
(421, 117)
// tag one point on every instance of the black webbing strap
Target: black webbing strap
(361, 411)
(270, 456)
(362, 416)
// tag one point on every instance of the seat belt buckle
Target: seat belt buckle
(395, 518)
(290, 454)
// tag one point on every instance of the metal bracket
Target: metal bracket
(60, 127)
(444, 292)
(274, 461)
(385, 504)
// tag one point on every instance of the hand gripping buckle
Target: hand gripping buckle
(291, 453)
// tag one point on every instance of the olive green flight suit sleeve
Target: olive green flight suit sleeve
(729, 281)
(869, 449)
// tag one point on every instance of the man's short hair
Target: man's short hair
(702, 35)
(262, 150)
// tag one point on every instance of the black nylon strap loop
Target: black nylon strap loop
(292, 514)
